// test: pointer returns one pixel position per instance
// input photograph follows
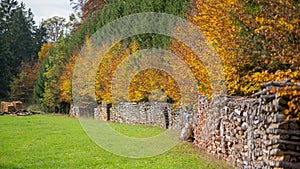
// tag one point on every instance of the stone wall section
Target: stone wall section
(148, 113)
(159, 114)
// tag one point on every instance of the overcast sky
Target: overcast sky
(44, 9)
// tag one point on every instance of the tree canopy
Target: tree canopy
(20, 41)
(257, 41)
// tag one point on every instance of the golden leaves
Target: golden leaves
(65, 86)
(43, 53)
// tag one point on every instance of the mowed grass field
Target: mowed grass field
(54, 141)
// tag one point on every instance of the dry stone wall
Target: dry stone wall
(149, 113)
(159, 114)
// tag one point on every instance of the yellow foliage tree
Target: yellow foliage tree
(65, 86)
(270, 43)
(43, 53)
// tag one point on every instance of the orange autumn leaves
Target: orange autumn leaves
(141, 85)
(270, 48)
(256, 42)
(214, 21)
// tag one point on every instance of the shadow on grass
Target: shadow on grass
(4, 166)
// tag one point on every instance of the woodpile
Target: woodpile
(9, 107)
(18, 105)
(250, 132)
(14, 109)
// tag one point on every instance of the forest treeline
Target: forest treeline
(257, 41)
(20, 41)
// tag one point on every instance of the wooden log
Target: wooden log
(289, 164)
(4, 106)
(279, 83)
(269, 97)
(279, 131)
(11, 108)
(274, 152)
(280, 141)
(18, 105)
(263, 92)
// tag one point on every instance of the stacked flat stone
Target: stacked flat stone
(158, 114)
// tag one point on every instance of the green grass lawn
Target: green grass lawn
(53, 141)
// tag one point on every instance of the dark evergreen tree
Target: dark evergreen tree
(39, 87)
(20, 40)
(6, 10)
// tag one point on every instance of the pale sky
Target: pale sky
(44, 9)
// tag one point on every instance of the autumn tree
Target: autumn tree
(142, 86)
(65, 86)
(57, 59)
(115, 56)
(56, 27)
(256, 40)
(106, 71)
(39, 86)
(44, 51)
(22, 85)
(270, 43)
(214, 20)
